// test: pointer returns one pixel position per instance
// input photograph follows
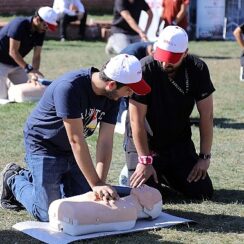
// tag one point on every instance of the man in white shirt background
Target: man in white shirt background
(68, 11)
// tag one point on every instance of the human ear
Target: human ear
(186, 52)
(111, 85)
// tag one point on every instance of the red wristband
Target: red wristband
(145, 160)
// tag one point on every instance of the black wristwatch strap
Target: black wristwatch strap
(28, 68)
(204, 156)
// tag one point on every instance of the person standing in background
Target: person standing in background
(68, 11)
(125, 29)
(238, 34)
(175, 13)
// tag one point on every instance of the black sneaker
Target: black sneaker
(8, 200)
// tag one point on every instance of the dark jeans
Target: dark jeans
(123, 106)
(173, 165)
(65, 19)
(47, 178)
(242, 59)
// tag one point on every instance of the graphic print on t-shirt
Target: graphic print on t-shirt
(91, 117)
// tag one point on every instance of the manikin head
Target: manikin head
(150, 200)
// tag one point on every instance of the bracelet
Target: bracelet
(28, 68)
(204, 156)
(145, 160)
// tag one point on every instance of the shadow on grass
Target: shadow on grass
(225, 196)
(211, 222)
(136, 237)
(12, 236)
(228, 196)
(221, 123)
(218, 57)
(228, 123)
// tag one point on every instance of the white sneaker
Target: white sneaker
(124, 177)
(120, 126)
(241, 74)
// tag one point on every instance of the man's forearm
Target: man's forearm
(181, 14)
(103, 158)
(140, 140)
(238, 36)
(206, 134)
(84, 161)
(131, 22)
(149, 21)
(36, 63)
(18, 59)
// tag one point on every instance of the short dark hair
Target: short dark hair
(37, 14)
(105, 78)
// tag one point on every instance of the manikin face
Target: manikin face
(115, 94)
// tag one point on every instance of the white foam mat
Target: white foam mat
(44, 233)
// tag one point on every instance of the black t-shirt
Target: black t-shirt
(135, 7)
(19, 29)
(242, 28)
(70, 96)
(169, 108)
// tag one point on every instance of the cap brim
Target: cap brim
(166, 56)
(52, 27)
(140, 88)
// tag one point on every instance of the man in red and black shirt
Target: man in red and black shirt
(175, 13)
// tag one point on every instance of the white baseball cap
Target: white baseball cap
(49, 16)
(126, 69)
(171, 44)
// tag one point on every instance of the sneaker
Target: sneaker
(8, 200)
(63, 39)
(124, 177)
(242, 74)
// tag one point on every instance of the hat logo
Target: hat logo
(169, 43)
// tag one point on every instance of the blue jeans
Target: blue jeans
(47, 178)
(118, 41)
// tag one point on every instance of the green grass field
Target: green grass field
(220, 220)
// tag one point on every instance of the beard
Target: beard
(112, 95)
(169, 70)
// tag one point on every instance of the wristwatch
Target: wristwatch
(204, 156)
(28, 68)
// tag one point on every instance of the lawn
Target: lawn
(220, 220)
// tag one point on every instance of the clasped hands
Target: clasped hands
(105, 192)
(34, 75)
